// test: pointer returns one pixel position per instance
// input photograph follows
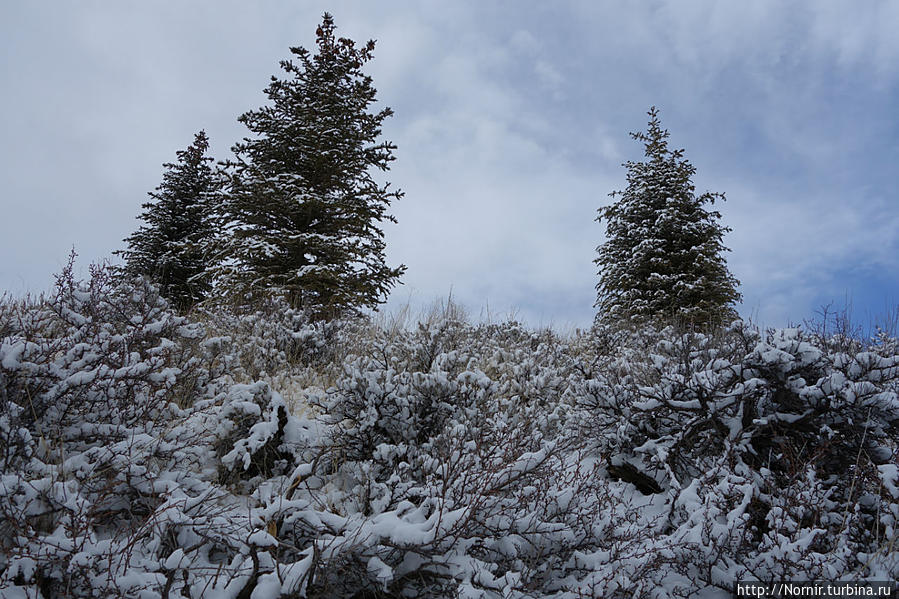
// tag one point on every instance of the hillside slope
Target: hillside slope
(145, 454)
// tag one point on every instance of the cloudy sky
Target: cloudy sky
(512, 122)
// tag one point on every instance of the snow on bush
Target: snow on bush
(773, 450)
(278, 344)
(144, 454)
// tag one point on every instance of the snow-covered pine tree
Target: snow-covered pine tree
(302, 208)
(663, 251)
(168, 248)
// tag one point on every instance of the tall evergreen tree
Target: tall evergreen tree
(168, 248)
(303, 209)
(663, 251)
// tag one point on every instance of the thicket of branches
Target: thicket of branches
(268, 454)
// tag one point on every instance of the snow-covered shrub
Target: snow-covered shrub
(270, 336)
(282, 346)
(97, 357)
(92, 381)
(253, 434)
(772, 449)
(140, 457)
(449, 462)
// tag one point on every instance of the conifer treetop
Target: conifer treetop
(170, 247)
(663, 254)
(303, 210)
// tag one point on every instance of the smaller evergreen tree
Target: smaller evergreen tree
(169, 248)
(663, 251)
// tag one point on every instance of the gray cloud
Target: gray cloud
(511, 121)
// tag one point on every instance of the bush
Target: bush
(140, 457)
(93, 382)
(778, 454)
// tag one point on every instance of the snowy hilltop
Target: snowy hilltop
(263, 454)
